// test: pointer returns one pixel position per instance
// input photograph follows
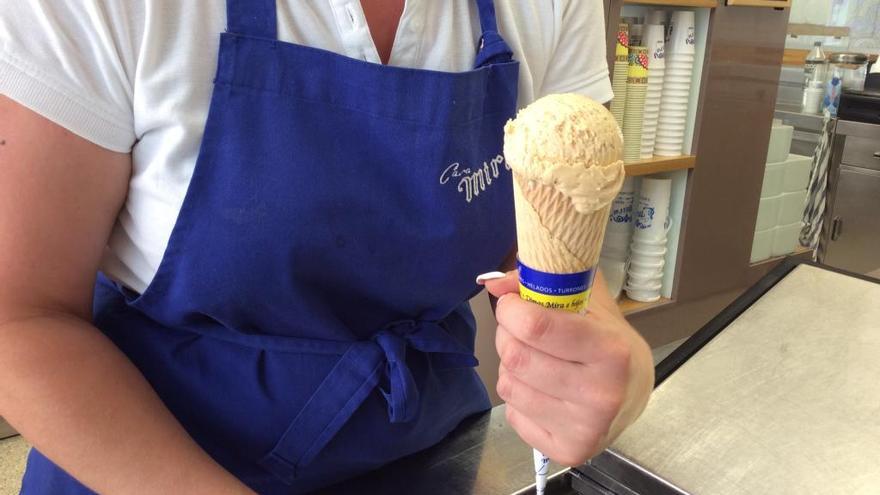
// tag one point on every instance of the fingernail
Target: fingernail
(489, 276)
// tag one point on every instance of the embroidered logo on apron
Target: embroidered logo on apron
(472, 182)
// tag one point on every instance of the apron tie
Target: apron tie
(360, 370)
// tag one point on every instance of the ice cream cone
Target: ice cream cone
(565, 152)
(552, 236)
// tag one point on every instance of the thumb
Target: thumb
(498, 283)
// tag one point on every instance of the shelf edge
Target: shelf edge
(709, 4)
(660, 164)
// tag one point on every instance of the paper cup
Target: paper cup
(654, 40)
(645, 263)
(641, 249)
(666, 121)
(642, 286)
(671, 80)
(650, 246)
(615, 274)
(652, 207)
(620, 217)
(657, 17)
(663, 138)
(678, 65)
(637, 79)
(679, 57)
(667, 152)
(678, 72)
(676, 100)
(634, 280)
(668, 145)
(635, 33)
(682, 37)
(619, 240)
(644, 278)
(643, 295)
(676, 88)
(667, 132)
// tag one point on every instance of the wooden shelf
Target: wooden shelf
(660, 164)
(710, 4)
(800, 252)
(775, 4)
(795, 29)
(628, 306)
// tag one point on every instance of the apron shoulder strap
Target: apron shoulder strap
(252, 18)
(493, 48)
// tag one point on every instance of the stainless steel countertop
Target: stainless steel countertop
(484, 456)
(13, 456)
(784, 400)
(5, 429)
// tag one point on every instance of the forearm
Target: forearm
(83, 404)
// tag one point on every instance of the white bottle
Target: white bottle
(813, 96)
(814, 76)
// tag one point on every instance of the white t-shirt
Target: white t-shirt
(136, 75)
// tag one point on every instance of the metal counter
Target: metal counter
(779, 394)
(483, 456)
(6, 431)
(851, 228)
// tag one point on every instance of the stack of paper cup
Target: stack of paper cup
(636, 32)
(679, 61)
(618, 233)
(654, 41)
(618, 77)
(651, 224)
(657, 17)
(636, 88)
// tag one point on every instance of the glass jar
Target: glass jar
(850, 69)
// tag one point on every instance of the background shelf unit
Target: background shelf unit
(709, 4)
(660, 164)
(674, 168)
(628, 306)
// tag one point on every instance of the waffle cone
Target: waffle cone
(552, 236)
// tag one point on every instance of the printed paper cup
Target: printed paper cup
(682, 36)
(654, 40)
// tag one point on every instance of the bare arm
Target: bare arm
(64, 385)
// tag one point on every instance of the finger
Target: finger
(580, 387)
(500, 286)
(571, 435)
(550, 412)
(559, 333)
(556, 377)
(600, 297)
(532, 434)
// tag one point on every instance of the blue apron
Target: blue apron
(309, 319)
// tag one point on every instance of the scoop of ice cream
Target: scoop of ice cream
(571, 143)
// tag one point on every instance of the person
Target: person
(261, 284)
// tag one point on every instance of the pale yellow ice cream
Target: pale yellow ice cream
(565, 152)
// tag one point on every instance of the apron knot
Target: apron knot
(360, 370)
(430, 337)
(402, 394)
